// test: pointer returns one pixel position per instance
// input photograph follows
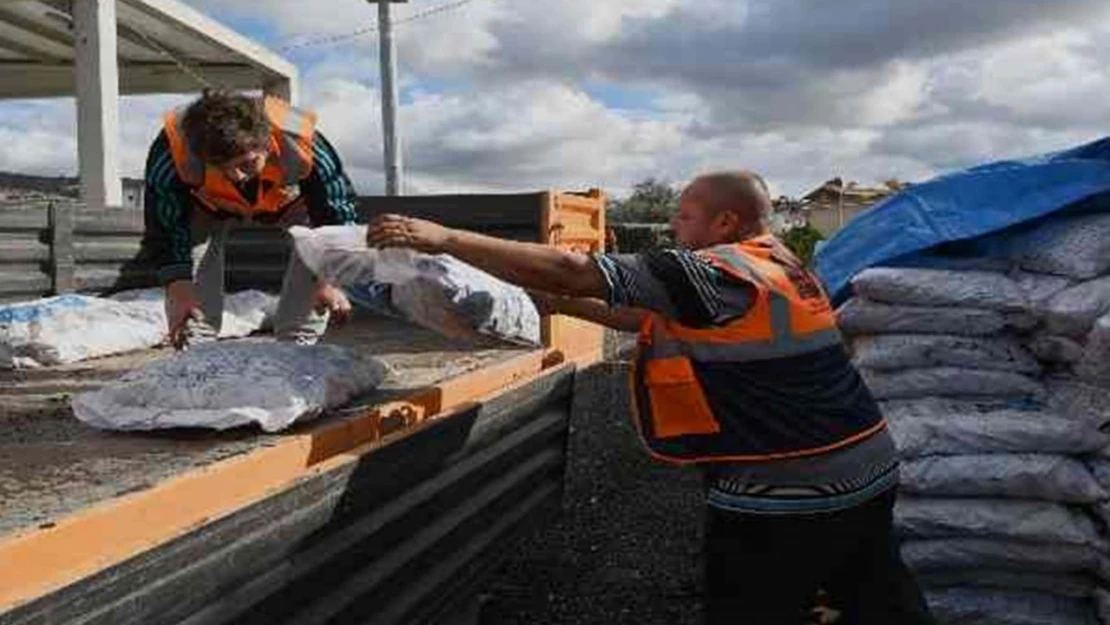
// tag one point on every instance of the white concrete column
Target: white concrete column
(97, 72)
(394, 184)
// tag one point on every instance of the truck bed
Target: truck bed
(386, 512)
(51, 464)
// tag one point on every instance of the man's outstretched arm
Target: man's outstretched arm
(529, 265)
(620, 318)
(676, 284)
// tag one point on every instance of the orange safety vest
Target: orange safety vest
(790, 317)
(290, 161)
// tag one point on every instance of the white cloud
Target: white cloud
(40, 136)
(526, 136)
(1048, 80)
(504, 94)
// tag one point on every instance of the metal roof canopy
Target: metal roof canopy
(99, 49)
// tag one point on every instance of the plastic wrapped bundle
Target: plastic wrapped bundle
(1073, 585)
(998, 432)
(858, 317)
(71, 328)
(1001, 554)
(1102, 604)
(983, 606)
(339, 254)
(906, 351)
(225, 385)
(435, 291)
(1078, 400)
(1076, 247)
(949, 407)
(1024, 476)
(459, 300)
(1039, 288)
(1073, 311)
(1023, 520)
(1094, 363)
(1053, 349)
(955, 262)
(940, 288)
(244, 312)
(950, 381)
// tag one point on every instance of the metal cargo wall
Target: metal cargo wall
(514, 216)
(25, 251)
(48, 248)
(388, 533)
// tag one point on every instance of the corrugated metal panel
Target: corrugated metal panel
(107, 255)
(24, 252)
(510, 213)
(20, 248)
(387, 538)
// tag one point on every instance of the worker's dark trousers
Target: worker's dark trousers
(767, 570)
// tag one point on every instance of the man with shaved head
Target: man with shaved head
(740, 370)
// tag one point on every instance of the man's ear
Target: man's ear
(727, 220)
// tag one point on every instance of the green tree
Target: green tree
(651, 201)
(803, 241)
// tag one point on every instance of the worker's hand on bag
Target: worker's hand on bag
(399, 231)
(183, 306)
(331, 299)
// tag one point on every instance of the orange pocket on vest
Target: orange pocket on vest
(678, 404)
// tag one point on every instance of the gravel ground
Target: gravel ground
(626, 548)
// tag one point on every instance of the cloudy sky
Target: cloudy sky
(529, 94)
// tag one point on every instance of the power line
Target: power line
(372, 29)
(181, 64)
(443, 8)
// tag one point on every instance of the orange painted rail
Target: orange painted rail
(37, 561)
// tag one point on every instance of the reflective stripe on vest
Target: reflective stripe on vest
(790, 316)
(290, 161)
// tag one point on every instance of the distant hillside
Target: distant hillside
(23, 187)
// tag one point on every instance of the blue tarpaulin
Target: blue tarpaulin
(965, 205)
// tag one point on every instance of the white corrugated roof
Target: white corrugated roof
(37, 50)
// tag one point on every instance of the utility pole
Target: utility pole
(390, 139)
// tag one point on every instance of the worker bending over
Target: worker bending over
(227, 160)
(741, 370)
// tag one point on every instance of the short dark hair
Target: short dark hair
(221, 125)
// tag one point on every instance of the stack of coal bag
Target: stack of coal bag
(994, 374)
